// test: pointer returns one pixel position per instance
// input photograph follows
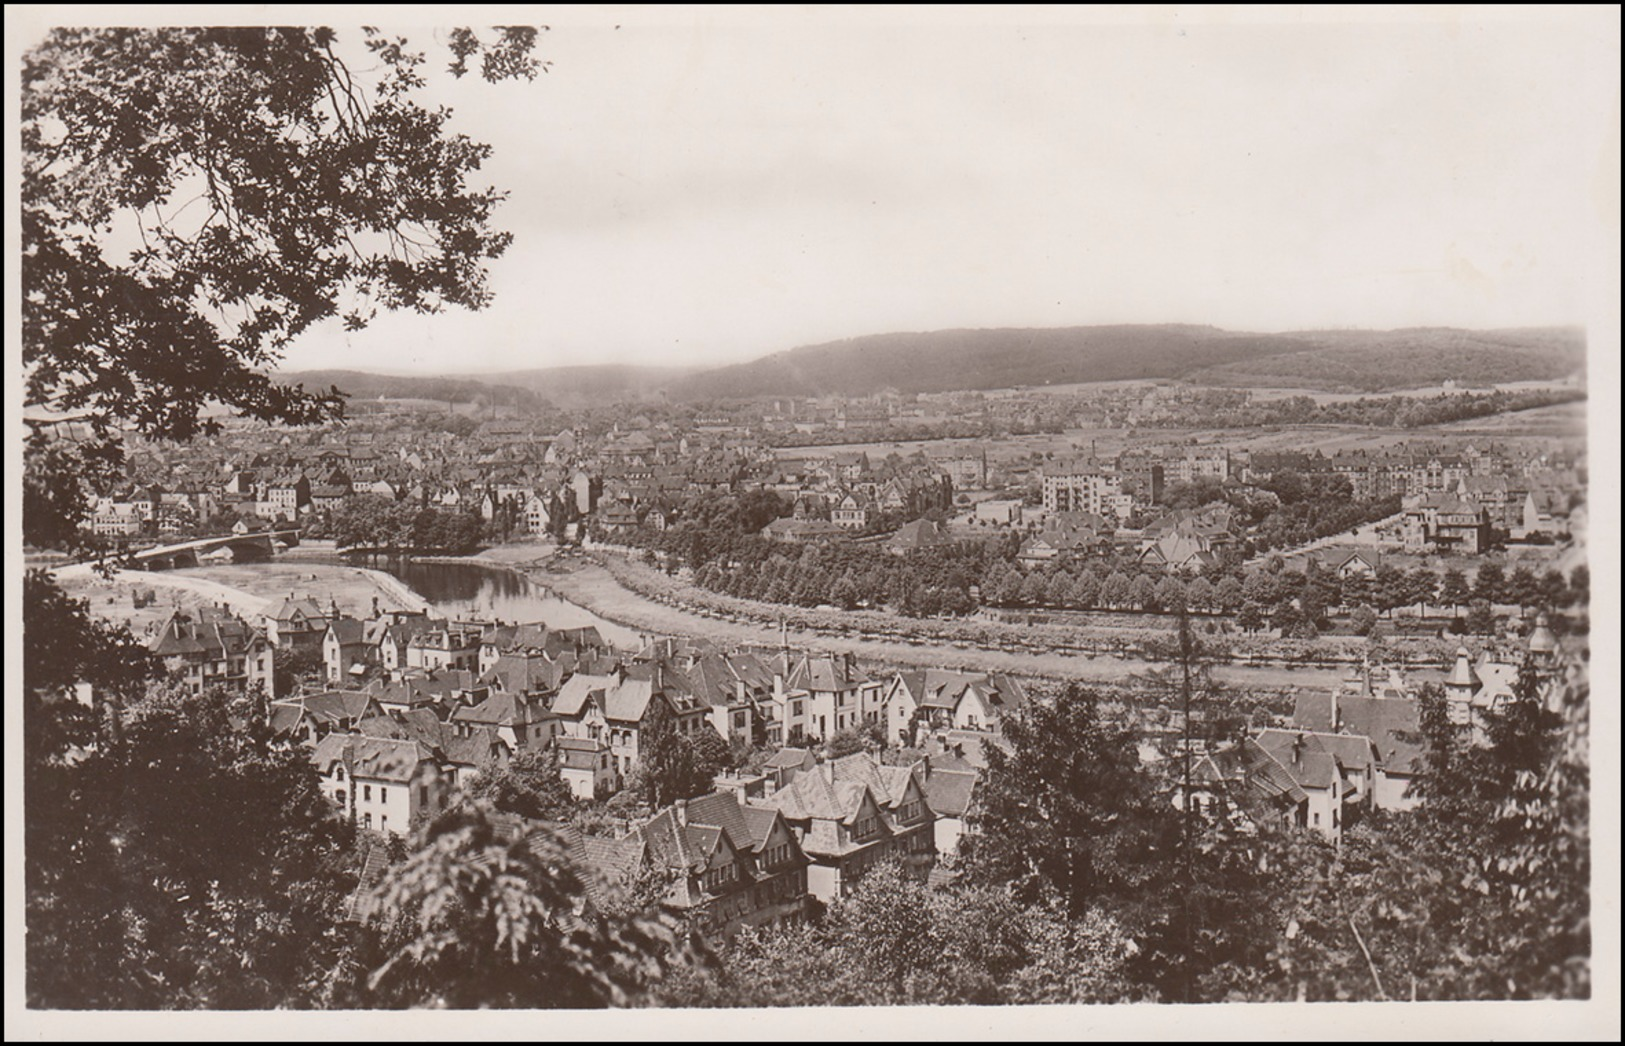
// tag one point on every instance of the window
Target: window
(383, 794)
(383, 822)
(368, 818)
(339, 796)
(339, 773)
(366, 793)
(1317, 819)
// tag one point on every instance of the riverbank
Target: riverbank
(113, 599)
(248, 589)
(1126, 634)
(593, 585)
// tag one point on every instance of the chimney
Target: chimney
(680, 807)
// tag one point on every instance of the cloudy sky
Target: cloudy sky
(706, 187)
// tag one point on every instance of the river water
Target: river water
(479, 590)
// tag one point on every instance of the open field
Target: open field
(112, 599)
(249, 589)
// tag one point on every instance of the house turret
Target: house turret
(1460, 687)
(1542, 642)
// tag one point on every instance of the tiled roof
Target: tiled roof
(572, 697)
(1393, 725)
(1301, 753)
(948, 792)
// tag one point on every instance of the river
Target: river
(478, 590)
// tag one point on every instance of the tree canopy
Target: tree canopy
(195, 198)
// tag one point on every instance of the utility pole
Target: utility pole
(1186, 652)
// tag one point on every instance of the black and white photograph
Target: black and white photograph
(957, 522)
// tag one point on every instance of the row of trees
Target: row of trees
(373, 520)
(957, 580)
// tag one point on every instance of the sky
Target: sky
(701, 186)
(696, 188)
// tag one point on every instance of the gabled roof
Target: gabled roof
(948, 792)
(1393, 725)
(334, 706)
(348, 631)
(482, 748)
(813, 796)
(377, 758)
(1267, 776)
(922, 533)
(826, 673)
(524, 674)
(1302, 754)
(303, 606)
(571, 699)
(791, 758)
(888, 784)
(502, 708)
(628, 702)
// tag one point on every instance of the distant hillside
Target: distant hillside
(446, 389)
(580, 386)
(559, 386)
(1374, 361)
(943, 361)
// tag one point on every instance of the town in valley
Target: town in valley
(810, 568)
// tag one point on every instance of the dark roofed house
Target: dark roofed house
(938, 700)
(521, 721)
(735, 865)
(920, 534)
(849, 814)
(1391, 725)
(381, 783)
(213, 647)
(346, 653)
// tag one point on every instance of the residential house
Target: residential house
(520, 721)
(586, 767)
(346, 653)
(452, 645)
(299, 625)
(394, 634)
(618, 710)
(380, 783)
(839, 695)
(1446, 522)
(215, 648)
(851, 512)
(311, 717)
(850, 814)
(286, 496)
(936, 700)
(1391, 725)
(1084, 488)
(801, 531)
(735, 864)
(918, 535)
(1311, 760)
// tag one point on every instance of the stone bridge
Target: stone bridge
(251, 547)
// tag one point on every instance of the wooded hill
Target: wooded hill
(944, 361)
